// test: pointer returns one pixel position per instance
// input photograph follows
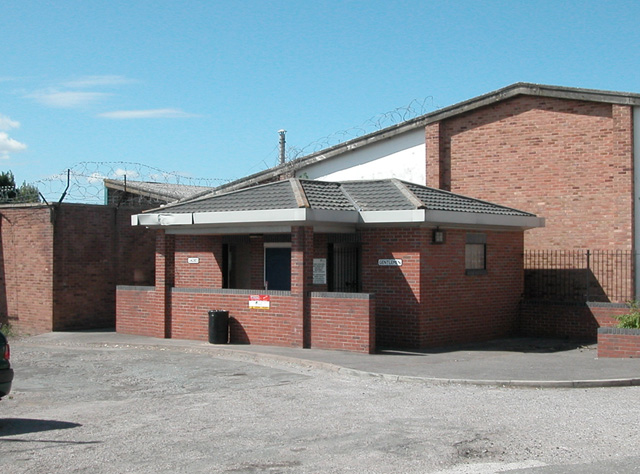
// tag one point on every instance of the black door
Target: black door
(277, 268)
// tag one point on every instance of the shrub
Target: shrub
(630, 320)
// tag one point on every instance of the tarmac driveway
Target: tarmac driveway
(88, 407)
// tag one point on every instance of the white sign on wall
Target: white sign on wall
(319, 271)
(259, 301)
(390, 262)
(193, 260)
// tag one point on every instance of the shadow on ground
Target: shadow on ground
(524, 345)
(18, 426)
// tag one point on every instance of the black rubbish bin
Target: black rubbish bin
(218, 326)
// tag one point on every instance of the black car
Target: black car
(6, 372)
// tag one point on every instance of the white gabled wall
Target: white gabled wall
(401, 156)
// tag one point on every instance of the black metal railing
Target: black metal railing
(579, 275)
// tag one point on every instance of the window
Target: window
(475, 256)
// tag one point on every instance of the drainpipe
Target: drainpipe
(636, 200)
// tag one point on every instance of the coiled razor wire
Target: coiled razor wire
(84, 181)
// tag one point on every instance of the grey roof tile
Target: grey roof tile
(370, 195)
(439, 200)
(325, 195)
(277, 195)
(377, 195)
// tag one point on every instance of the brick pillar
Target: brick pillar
(302, 279)
(165, 271)
(216, 277)
(623, 158)
(438, 166)
(257, 263)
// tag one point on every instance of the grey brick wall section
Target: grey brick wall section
(595, 304)
(352, 296)
(625, 331)
(135, 288)
(228, 291)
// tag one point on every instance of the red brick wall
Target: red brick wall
(343, 323)
(136, 250)
(84, 267)
(619, 343)
(207, 273)
(464, 308)
(59, 269)
(95, 249)
(398, 299)
(567, 161)
(279, 326)
(257, 262)
(426, 302)
(446, 306)
(26, 269)
(140, 311)
(572, 321)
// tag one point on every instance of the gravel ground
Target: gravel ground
(127, 409)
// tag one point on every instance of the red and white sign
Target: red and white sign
(259, 301)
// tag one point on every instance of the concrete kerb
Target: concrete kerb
(276, 360)
(494, 383)
(279, 360)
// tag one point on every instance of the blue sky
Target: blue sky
(202, 87)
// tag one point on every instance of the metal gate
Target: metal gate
(344, 268)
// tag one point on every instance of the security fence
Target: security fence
(579, 275)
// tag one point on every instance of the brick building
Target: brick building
(564, 153)
(352, 266)
(567, 154)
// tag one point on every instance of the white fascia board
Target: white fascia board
(164, 219)
(247, 217)
(255, 229)
(276, 216)
(257, 221)
(392, 217)
(228, 229)
(450, 218)
(332, 217)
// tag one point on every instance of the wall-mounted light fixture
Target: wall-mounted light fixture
(438, 236)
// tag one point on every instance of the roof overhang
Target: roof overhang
(265, 221)
(450, 218)
(281, 220)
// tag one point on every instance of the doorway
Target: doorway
(277, 266)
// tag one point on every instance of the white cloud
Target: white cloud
(67, 99)
(128, 173)
(92, 81)
(7, 124)
(145, 114)
(95, 178)
(9, 145)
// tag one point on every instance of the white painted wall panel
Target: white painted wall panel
(402, 157)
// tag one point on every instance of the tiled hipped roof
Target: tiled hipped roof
(373, 195)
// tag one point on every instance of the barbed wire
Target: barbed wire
(83, 182)
(415, 108)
